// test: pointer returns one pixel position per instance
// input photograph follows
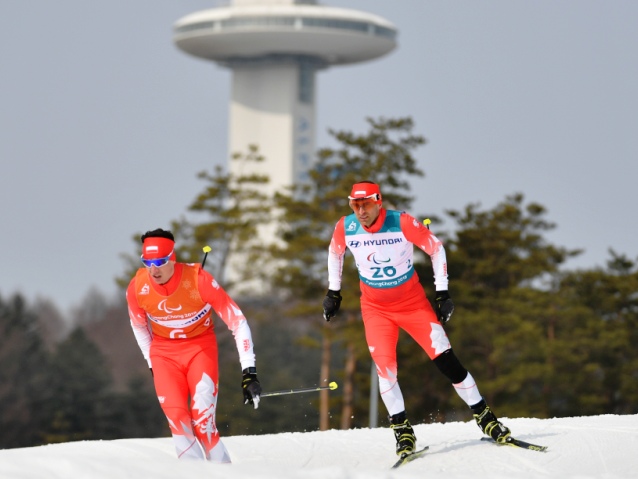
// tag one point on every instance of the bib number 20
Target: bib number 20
(387, 272)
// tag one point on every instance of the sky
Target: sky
(104, 123)
(578, 447)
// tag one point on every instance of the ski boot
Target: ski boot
(489, 424)
(404, 434)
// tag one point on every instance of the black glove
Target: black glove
(444, 306)
(331, 304)
(250, 385)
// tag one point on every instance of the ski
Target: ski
(517, 443)
(405, 458)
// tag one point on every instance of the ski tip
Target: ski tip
(333, 385)
(525, 445)
(535, 447)
(511, 441)
(410, 456)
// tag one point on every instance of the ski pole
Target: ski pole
(206, 251)
(331, 387)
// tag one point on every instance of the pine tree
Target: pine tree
(227, 216)
(24, 368)
(602, 336)
(502, 269)
(82, 399)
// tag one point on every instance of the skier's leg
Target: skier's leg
(466, 388)
(203, 381)
(461, 379)
(172, 392)
(432, 338)
(382, 335)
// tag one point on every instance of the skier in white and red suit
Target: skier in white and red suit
(382, 243)
(170, 308)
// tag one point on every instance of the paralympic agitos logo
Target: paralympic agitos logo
(162, 307)
(372, 257)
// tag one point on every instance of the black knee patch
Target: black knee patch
(449, 365)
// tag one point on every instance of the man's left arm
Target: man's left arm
(421, 236)
(415, 232)
(229, 312)
(212, 293)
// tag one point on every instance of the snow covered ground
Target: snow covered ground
(579, 447)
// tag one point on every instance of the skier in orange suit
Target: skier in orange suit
(170, 307)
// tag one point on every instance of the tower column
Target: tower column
(273, 106)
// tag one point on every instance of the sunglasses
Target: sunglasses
(373, 196)
(156, 262)
(366, 202)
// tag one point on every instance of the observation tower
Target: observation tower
(274, 49)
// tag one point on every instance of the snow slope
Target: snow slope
(579, 447)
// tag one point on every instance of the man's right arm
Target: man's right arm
(336, 253)
(139, 323)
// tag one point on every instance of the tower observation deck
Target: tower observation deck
(274, 49)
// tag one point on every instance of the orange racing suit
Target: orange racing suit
(174, 329)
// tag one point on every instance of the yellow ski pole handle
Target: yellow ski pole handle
(330, 387)
(206, 249)
(427, 222)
